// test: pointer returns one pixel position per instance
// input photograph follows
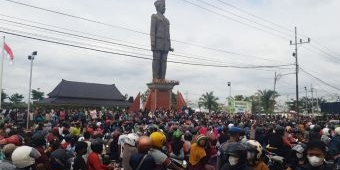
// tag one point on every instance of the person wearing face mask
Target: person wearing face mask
(297, 158)
(316, 153)
(237, 158)
(254, 152)
(234, 136)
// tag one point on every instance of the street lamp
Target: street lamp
(229, 102)
(229, 85)
(30, 57)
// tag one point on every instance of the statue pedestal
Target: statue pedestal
(160, 94)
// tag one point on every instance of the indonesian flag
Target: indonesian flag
(9, 51)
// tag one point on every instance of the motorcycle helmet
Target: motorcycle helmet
(236, 148)
(279, 130)
(253, 145)
(300, 148)
(24, 156)
(326, 131)
(337, 131)
(158, 139)
(202, 140)
(152, 128)
(316, 128)
(177, 134)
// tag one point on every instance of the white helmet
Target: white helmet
(337, 131)
(24, 156)
(254, 145)
(326, 131)
(131, 139)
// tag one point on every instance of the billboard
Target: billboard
(241, 107)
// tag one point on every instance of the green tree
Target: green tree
(144, 96)
(306, 101)
(255, 103)
(267, 100)
(3, 95)
(37, 95)
(208, 101)
(16, 98)
(239, 98)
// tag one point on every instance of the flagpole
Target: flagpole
(2, 69)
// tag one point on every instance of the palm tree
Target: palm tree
(208, 101)
(267, 100)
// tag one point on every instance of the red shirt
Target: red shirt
(94, 162)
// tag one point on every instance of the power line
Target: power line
(239, 16)
(224, 16)
(280, 26)
(135, 31)
(312, 71)
(263, 19)
(315, 51)
(80, 36)
(139, 57)
(78, 17)
(322, 81)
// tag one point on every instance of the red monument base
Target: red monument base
(159, 96)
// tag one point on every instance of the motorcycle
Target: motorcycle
(275, 162)
(179, 163)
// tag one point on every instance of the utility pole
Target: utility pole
(306, 100)
(295, 54)
(311, 90)
(317, 101)
(275, 79)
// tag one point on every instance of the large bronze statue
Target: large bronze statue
(160, 41)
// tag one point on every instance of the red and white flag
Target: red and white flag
(9, 51)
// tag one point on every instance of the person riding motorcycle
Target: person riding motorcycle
(237, 157)
(162, 161)
(142, 160)
(297, 158)
(254, 153)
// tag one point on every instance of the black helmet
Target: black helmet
(97, 145)
(38, 140)
(235, 148)
(279, 130)
(316, 128)
(238, 149)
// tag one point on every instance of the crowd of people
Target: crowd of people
(82, 139)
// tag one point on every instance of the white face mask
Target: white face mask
(299, 155)
(250, 155)
(233, 160)
(315, 161)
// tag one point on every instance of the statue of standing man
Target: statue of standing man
(160, 41)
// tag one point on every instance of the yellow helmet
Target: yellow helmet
(158, 139)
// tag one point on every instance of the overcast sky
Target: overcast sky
(259, 30)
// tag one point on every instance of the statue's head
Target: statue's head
(160, 6)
